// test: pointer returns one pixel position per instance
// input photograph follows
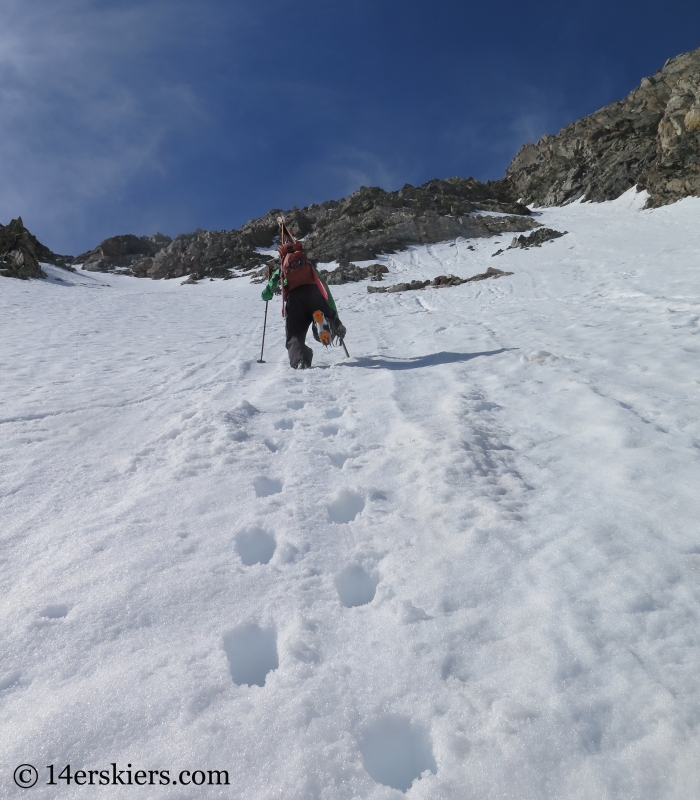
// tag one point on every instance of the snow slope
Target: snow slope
(469, 552)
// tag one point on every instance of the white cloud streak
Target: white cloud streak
(85, 106)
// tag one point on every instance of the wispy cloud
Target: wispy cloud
(349, 167)
(84, 106)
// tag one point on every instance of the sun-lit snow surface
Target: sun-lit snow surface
(470, 552)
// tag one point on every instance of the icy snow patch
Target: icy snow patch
(345, 507)
(355, 586)
(413, 614)
(395, 753)
(539, 356)
(329, 430)
(252, 654)
(55, 611)
(10, 680)
(255, 546)
(264, 487)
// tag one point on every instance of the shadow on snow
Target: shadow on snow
(419, 362)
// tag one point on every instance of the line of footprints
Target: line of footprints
(395, 752)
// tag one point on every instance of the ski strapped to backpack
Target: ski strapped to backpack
(295, 267)
(297, 270)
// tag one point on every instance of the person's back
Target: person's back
(306, 300)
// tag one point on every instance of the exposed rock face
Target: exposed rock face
(437, 283)
(369, 222)
(120, 252)
(676, 171)
(536, 239)
(21, 252)
(351, 273)
(651, 139)
(372, 221)
(206, 253)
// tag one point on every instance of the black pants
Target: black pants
(301, 304)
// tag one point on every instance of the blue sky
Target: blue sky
(131, 117)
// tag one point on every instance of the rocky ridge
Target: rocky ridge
(21, 253)
(440, 282)
(351, 273)
(650, 139)
(368, 222)
(119, 253)
(536, 239)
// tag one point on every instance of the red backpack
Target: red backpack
(295, 267)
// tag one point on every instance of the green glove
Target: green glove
(272, 286)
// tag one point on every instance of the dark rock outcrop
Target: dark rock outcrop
(21, 253)
(438, 283)
(536, 239)
(651, 139)
(351, 273)
(119, 253)
(207, 253)
(369, 222)
(372, 221)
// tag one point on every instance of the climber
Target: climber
(306, 300)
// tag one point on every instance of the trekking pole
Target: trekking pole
(260, 360)
(342, 341)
